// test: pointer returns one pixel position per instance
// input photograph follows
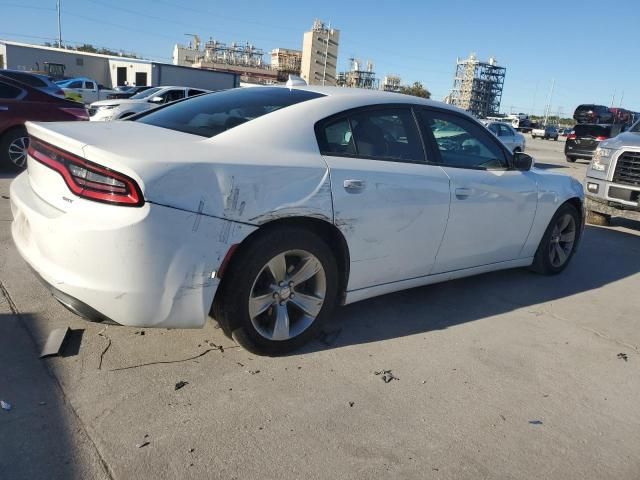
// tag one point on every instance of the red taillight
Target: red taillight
(601, 138)
(78, 113)
(571, 136)
(87, 179)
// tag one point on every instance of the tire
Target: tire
(555, 139)
(596, 218)
(571, 159)
(516, 150)
(13, 149)
(554, 254)
(250, 276)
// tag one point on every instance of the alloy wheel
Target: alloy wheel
(562, 239)
(287, 295)
(18, 151)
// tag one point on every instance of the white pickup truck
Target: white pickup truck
(84, 89)
(546, 133)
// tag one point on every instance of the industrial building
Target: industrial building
(286, 62)
(245, 60)
(358, 77)
(109, 70)
(320, 55)
(391, 83)
(477, 86)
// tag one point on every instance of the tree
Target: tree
(417, 90)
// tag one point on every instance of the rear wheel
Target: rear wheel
(571, 159)
(278, 294)
(555, 139)
(558, 242)
(597, 218)
(13, 149)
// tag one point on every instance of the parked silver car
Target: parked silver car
(513, 140)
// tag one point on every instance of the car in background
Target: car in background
(20, 103)
(86, 88)
(585, 138)
(36, 80)
(590, 113)
(126, 91)
(117, 109)
(612, 183)
(514, 141)
(268, 206)
(546, 133)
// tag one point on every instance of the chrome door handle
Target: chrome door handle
(3, 108)
(354, 186)
(463, 193)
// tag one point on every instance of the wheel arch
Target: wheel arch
(324, 229)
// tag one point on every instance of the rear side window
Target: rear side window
(214, 113)
(9, 91)
(193, 93)
(380, 134)
(76, 84)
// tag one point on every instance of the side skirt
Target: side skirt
(369, 292)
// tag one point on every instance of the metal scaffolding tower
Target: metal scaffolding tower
(477, 86)
(357, 77)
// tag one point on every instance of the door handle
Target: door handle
(354, 186)
(3, 108)
(463, 193)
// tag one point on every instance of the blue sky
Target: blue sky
(589, 47)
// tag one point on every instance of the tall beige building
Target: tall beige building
(320, 55)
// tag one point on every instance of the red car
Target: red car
(20, 103)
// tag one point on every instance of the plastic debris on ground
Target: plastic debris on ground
(181, 384)
(5, 405)
(386, 375)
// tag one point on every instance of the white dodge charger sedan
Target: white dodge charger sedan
(268, 206)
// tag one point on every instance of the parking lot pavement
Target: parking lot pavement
(505, 375)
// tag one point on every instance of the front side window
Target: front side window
(150, 92)
(381, 134)
(89, 85)
(460, 142)
(172, 95)
(505, 131)
(210, 115)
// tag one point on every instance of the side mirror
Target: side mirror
(156, 99)
(522, 161)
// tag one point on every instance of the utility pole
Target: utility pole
(326, 54)
(613, 98)
(59, 28)
(621, 97)
(548, 108)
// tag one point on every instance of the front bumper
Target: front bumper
(152, 266)
(612, 198)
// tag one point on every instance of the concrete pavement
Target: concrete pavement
(505, 375)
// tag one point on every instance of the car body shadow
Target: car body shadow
(440, 306)
(548, 166)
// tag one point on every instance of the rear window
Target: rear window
(26, 78)
(592, 130)
(212, 114)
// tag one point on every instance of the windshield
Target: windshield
(211, 114)
(146, 93)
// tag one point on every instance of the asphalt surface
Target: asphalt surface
(505, 375)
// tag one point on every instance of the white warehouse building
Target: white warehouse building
(109, 70)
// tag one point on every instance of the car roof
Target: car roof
(369, 95)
